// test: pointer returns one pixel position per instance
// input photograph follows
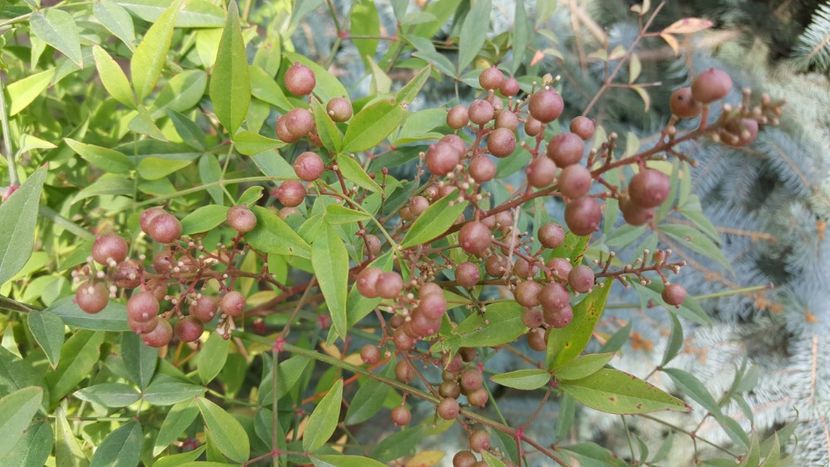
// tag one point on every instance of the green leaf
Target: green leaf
(111, 318)
(16, 412)
(410, 90)
(194, 14)
(690, 309)
(289, 375)
(274, 235)
(212, 357)
(269, 53)
(372, 125)
(519, 37)
(204, 219)
(675, 340)
(47, 329)
(367, 401)
(121, 448)
(353, 172)
(696, 241)
(23, 92)
(78, 357)
(434, 221)
(330, 261)
(155, 168)
(491, 460)
(565, 344)
(472, 36)
(338, 214)
(18, 216)
(329, 133)
(117, 21)
(613, 391)
(183, 458)
(139, 360)
(106, 159)
(343, 460)
(181, 93)
(230, 86)
(694, 388)
(113, 77)
(250, 196)
(151, 54)
(210, 171)
(68, 451)
(226, 434)
(58, 29)
(323, 420)
(175, 423)
(32, 449)
(264, 88)
(583, 366)
(250, 143)
(527, 380)
(501, 322)
(365, 22)
(169, 392)
(109, 394)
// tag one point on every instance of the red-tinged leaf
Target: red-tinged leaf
(688, 26)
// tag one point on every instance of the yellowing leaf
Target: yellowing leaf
(672, 42)
(425, 459)
(688, 26)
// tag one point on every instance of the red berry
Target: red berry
(581, 279)
(448, 408)
(634, 214)
(649, 188)
(501, 142)
(457, 117)
(583, 215)
(165, 228)
(160, 335)
(147, 217)
(565, 149)
(467, 274)
(417, 205)
(559, 318)
(464, 459)
(532, 317)
(474, 238)
(674, 294)
(299, 80)
(339, 109)
(527, 293)
(560, 268)
(142, 307)
(441, 158)
(291, 193)
(481, 112)
(299, 122)
(373, 244)
(491, 78)
(367, 282)
(524, 269)
(189, 329)
(241, 219)
(370, 354)
(389, 284)
(541, 172)
(711, 85)
(507, 119)
(232, 304)
(402, 340)
(456, 142)
(433, 305)
(127, 274)
(401, 416)
(471, 379)
(583, 127)
(533, 127)
(509, 87)
(430, 288)
(683, 104)
(482, 169)
(109, 247)
(422, 326)
(742, 132)
(551, 235)
(554, 297)
(575, 181)
(468, 354)
(496, 265)
(546, 105)
(536, 339)
(479, 441)
(309, 166)
(204, 309)
(92, 297)
(404, 371)
(142, 327)
(282, 131)
(449, 389)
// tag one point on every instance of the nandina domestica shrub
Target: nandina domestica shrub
(254, 280)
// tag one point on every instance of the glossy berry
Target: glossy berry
(566, 149)
(551, 235)
(553, 296)
(441, 158)
(522, 268)
(165, 228)
(189, 329)
(491, 78)
(501, 142)
(290, 193)
(581, 279)
(471, 379)
(546, 105)
(147, 217)
(464, 459)
(533, 127)
(430, 288)
(92, 297)
(649, 188)
(433, 305)
(373, 244)
(241, 219)
(370, 354)
(541, 172)
(467, 274)
(509, 87)
(282, 131)
(633, 214)
(683, 104)
(457, 117)
(507, 119)
(474, 238)
(127, 275)
(527, 293)
(448, 408)
(367, 282)
(339, 109)
(404, 371)
(468, 354)
(583, 215)
(109, 247)
(482, 169)
(575, 181)
(422, 326)
(402, 340)
(583, 127)
(401, 416)
(232, 304)
(389, 284)
(204, 309)
(481, 112)
(536, 340)
(560, 268)
(160, 335)
(559, 318)
(309, 166)
(141, 327)
(456, 142)
(674, 294)
(299, 122)
(299, 80)
(449, 389)
(142, 306)
(711, 85)
(496, 265)
(479, 441)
